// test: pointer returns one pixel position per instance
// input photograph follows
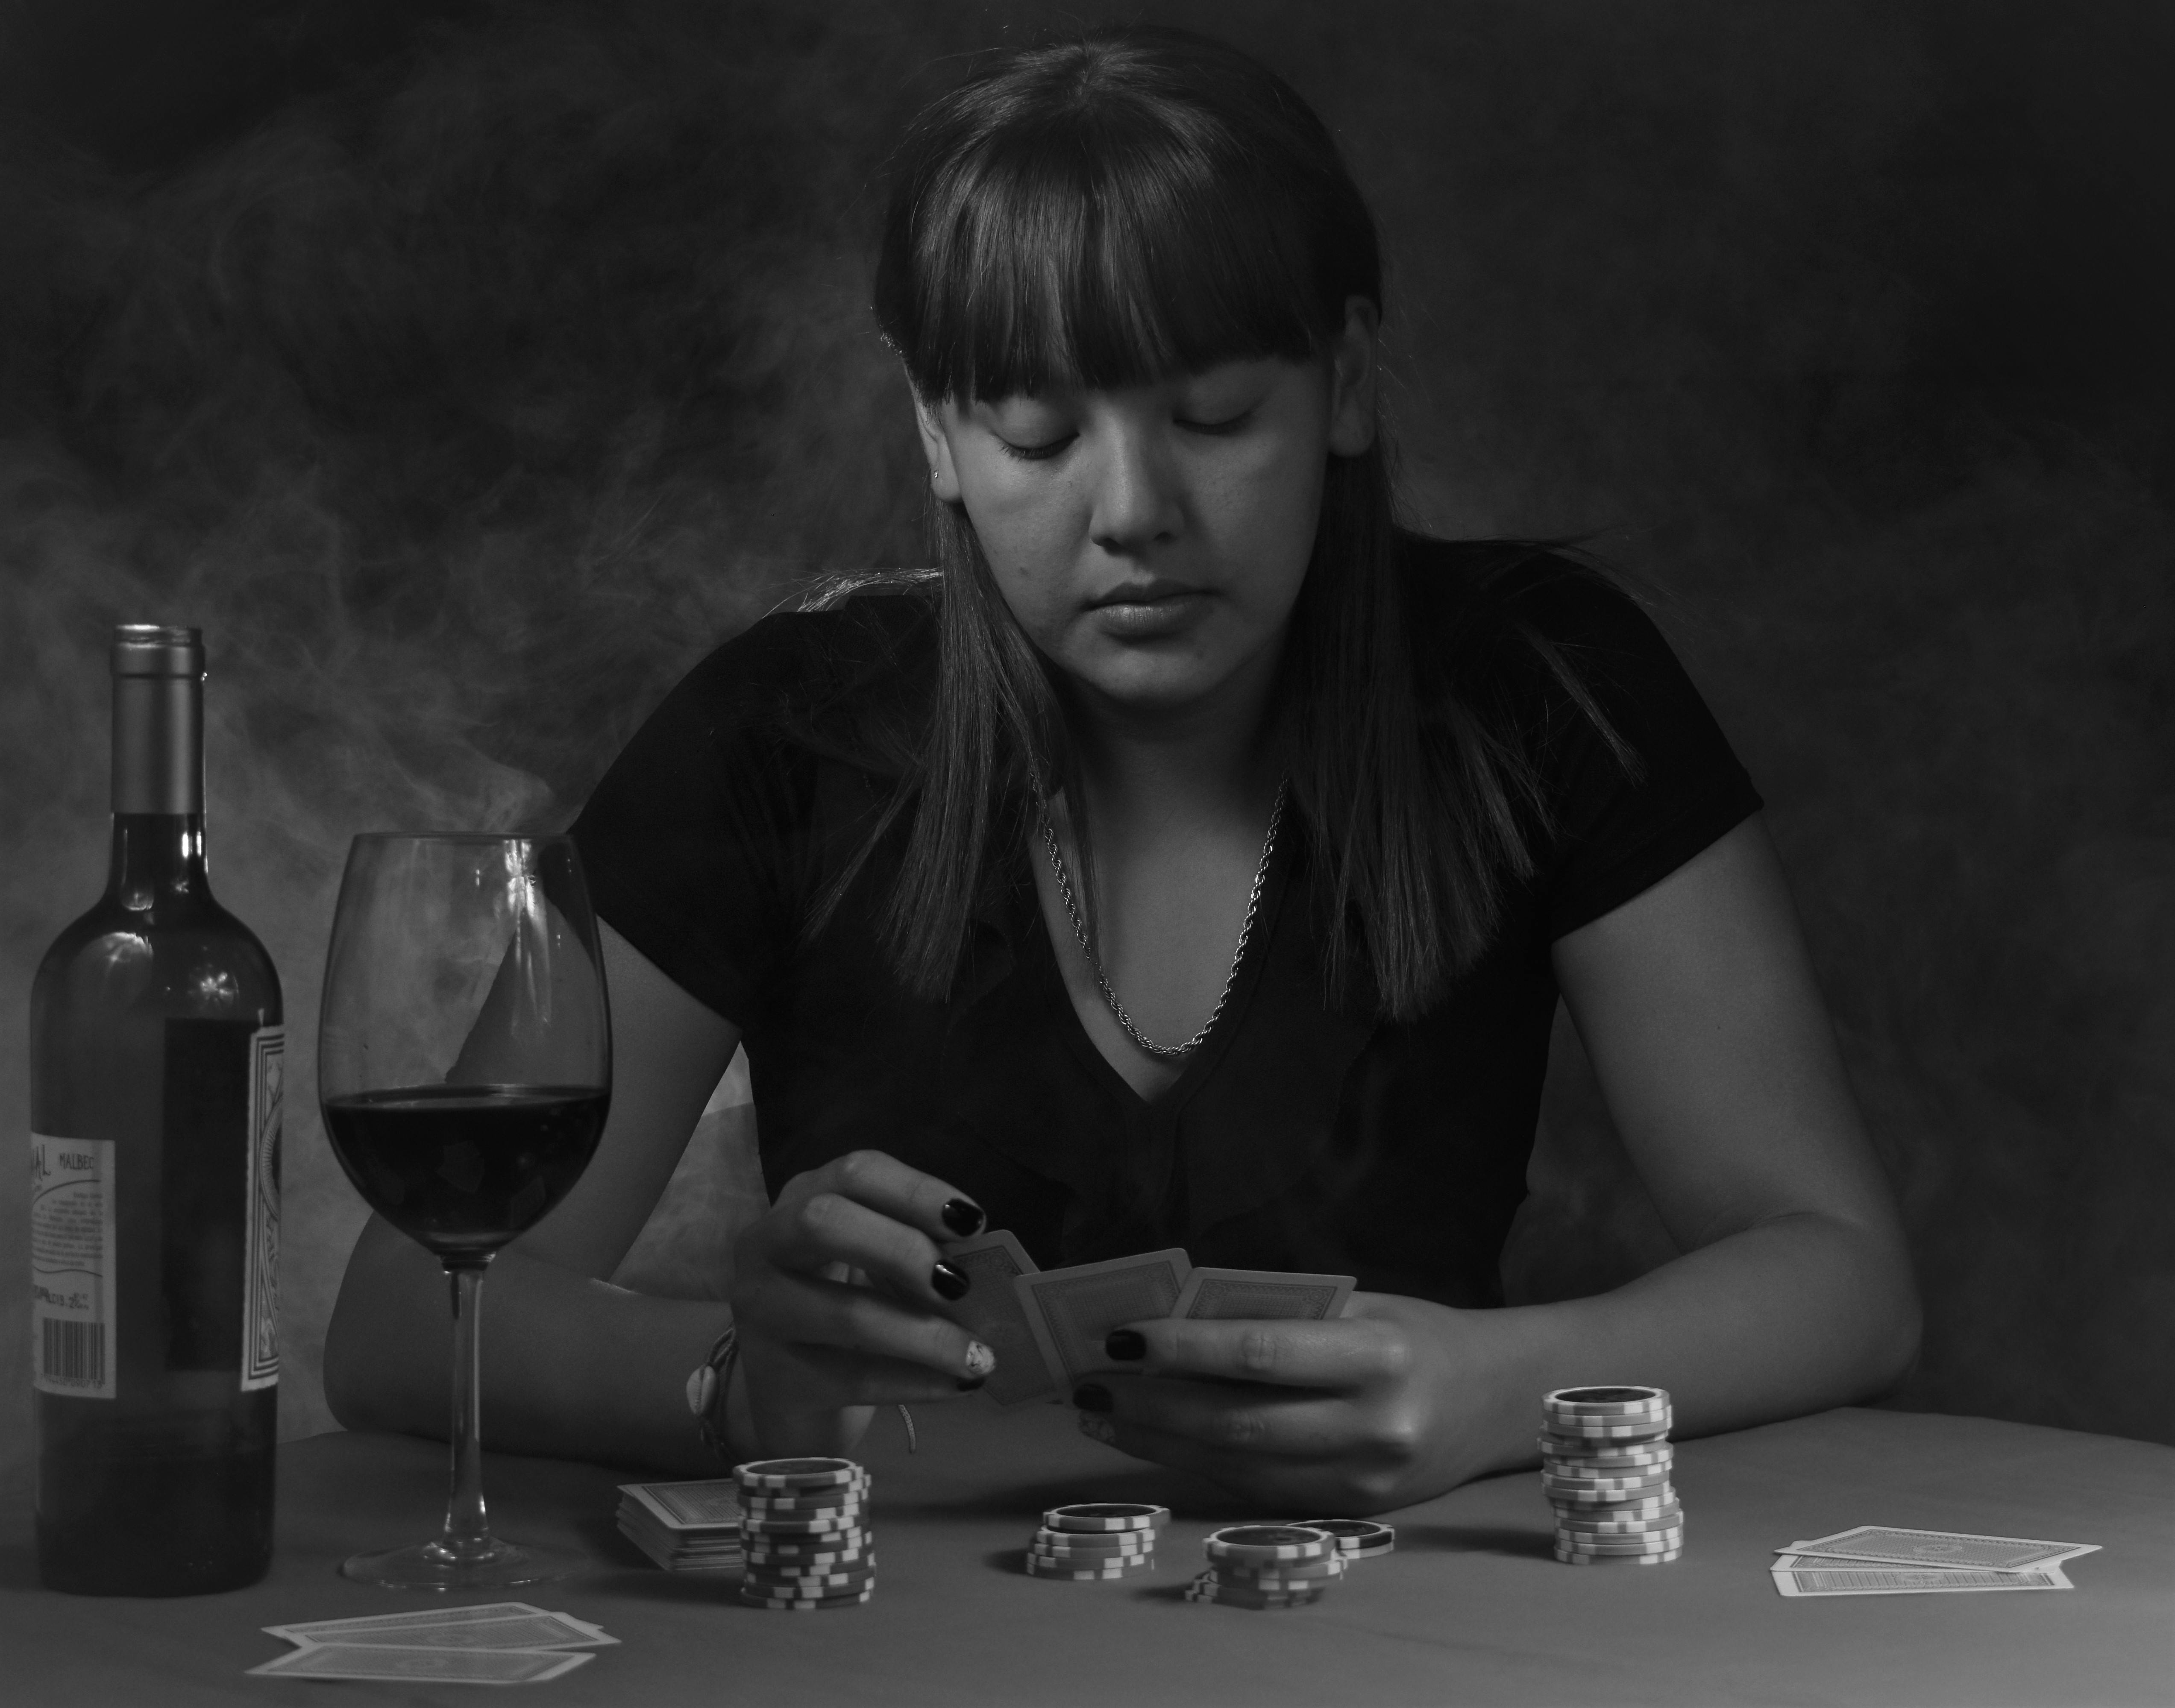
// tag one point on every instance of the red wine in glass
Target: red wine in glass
(464, 1072)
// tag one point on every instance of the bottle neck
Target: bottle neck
(158, 789)
(158, 857)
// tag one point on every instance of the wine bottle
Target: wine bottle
(155, 1078)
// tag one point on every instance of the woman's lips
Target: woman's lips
(1149, 612)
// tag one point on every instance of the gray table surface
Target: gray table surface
(1471, 1609)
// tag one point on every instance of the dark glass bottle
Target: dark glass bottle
(155, 1079)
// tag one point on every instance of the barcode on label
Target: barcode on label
(74, 1353)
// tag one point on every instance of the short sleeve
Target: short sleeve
(1619, 828)
(694, 842)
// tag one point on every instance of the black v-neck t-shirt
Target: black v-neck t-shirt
(1299, 1135)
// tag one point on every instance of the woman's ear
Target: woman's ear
(1351, 379)
(936, 447)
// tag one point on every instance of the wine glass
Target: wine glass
(463, 1068)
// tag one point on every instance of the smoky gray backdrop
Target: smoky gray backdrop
(469, 372)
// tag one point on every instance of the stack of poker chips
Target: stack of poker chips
(1096, 1543)
(1264, 1566)
(1605, 1460)
(804, 1530)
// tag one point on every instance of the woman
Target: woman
(1194, 859)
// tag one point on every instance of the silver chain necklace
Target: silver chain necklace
(1167, 1052)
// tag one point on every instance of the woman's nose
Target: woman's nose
(1136, 501)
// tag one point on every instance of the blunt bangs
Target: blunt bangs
(1099, 226)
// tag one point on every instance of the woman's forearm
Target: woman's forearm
(1788, 1316)
(572, 1367)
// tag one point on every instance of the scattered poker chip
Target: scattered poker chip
(798, 1473)
(1355, 1538)
(1101, 1517)
(1251, 1542)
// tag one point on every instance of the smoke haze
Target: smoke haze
(468, 388)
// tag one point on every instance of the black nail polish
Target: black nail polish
(949, 1282)
(962, 1217)
(969, 1383)
(1126, 1345)
(1093, 1396)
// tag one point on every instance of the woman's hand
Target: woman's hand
(837, 1294)
(1391, 1403)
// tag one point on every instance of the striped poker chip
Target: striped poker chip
(1363, 1537)
(807, 1589)
(760, 1554)
(1097, 1517)
(797, 1473)
(1036, 1567)
(1574, 1556)
(795, 1604)
(1094, 1542)
(1260, 1543)
(1604, 1455)
(1085, 1557)
(1607, 1490)
(852, 1510)
(1575, 1432)
(1647, 1541)
(1206, 1588)
(1610, 1402)
(809, 1500)
(857, 1572)
(1285, 1574)
(1583, 1524)
(804, 1524)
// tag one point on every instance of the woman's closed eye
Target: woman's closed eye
(1035, 454)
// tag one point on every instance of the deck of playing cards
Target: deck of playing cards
(685, 1527)
(1047, 1326)
(498, 1643)
(1879, 1560)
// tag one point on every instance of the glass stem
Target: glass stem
(467, 1526)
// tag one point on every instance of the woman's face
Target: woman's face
(1151, 541)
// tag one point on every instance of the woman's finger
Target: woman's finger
(825, 1376)
(887, 1185)
(1342, 1355)
(784, 1307)
(1228, 1418)
(823, 1230)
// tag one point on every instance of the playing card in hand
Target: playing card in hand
(995, 1315)
(1071, 1310)
(1271, 1294)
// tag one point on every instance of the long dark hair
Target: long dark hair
(1108, 211)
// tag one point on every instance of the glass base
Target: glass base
(497, 1565)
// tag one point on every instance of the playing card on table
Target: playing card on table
(1218, 1295)
(993, 1313)
(1887, 1546)
(708, 1503)
(500, 1625)
(1070, 1310)
(1810, 1575)
(415, 1665)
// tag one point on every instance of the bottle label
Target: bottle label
(74, 1256)
(260, 1317)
